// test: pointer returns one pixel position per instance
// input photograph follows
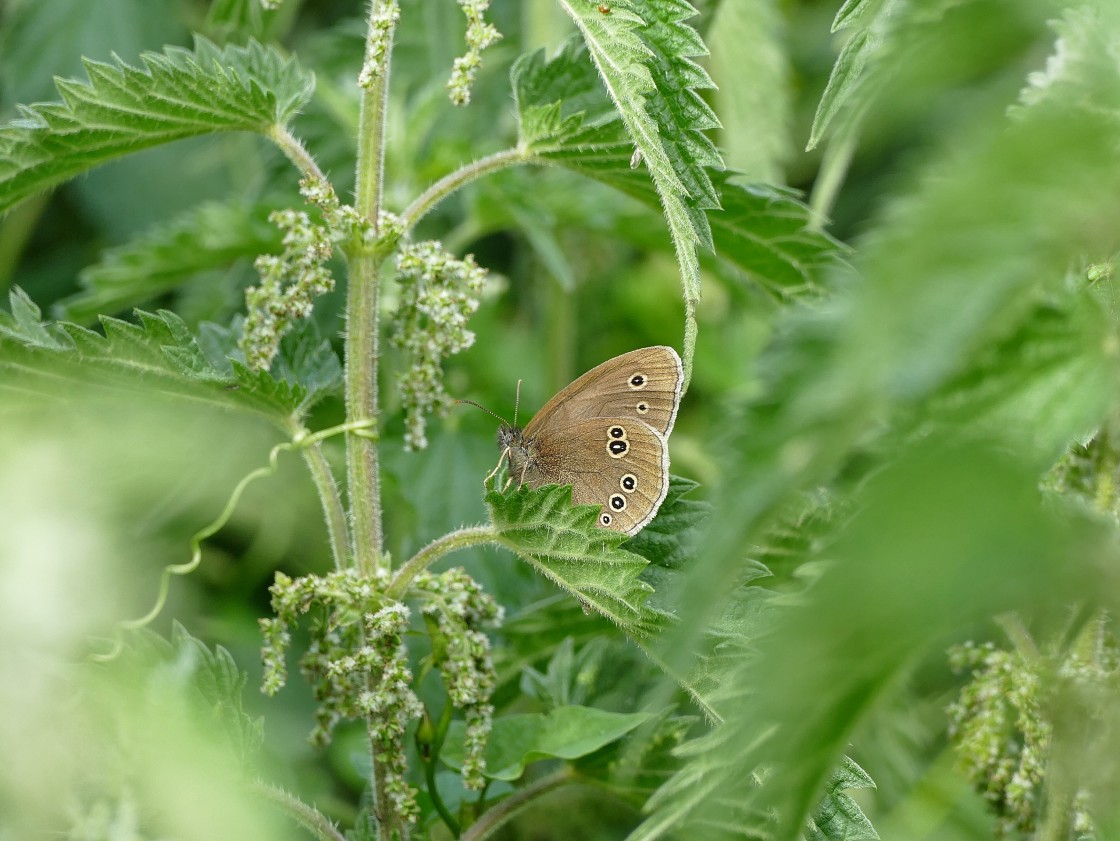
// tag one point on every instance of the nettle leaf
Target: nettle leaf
(641, 49)
(750, 63)
(208, 237)
(767, 232)
(838, 817)
(682, 116)
(121, 109)
(209, 681)
(306, 362)
(220, 684)
(563, 733)
(764, 231)
(861, 49)
(558, 98)
(636, 766)
(537, 631)
(1046, 367)
(160, 353)
(667, 539)
(563, 543)
(1084, 61)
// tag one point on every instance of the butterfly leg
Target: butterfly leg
(497, 467)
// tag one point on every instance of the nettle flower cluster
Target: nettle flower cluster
(456, 610)
(438, 294)
(1003, 731)
(293, 279)
(358, 666)
(480, 35)
(383, 20)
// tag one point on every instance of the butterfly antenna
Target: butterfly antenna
(487, 411)
(516, 402)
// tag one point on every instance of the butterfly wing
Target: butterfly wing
(620, 464)
(644, 384)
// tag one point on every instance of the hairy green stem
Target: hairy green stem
(450, 542)
(689, 346)
(294, 150)
(335, 515)
(305, 815)
(834, 166)
(454, 180)
(363, 469)
(495, 817)
(363, 479)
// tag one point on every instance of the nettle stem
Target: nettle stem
(460, 539)
(333, 512)
(454, 180)
(363, 470)
(489, 823)
(362, 466)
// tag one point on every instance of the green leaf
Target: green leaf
(306, 363)
(979, 243)
(855, 11)
(764, 231)
(122, 109)
(641, 50)
(538, 630)
(158, 355)
(208, 237)
(667, 539)
(861, 49)
(1083, 61)
(571, 676)
(563, 543)
(220, 684)
(25, 323)
(209, 681)
(768, 233)
(563, 733)
(556, 98)
(1046, 367)
(682, 115)
(838, 817)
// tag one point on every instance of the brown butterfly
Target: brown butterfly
(606, 435)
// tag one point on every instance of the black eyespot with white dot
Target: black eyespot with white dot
(618, 448)
(616, 432)
(637, 381)
(628, 482)
(605, 519)
(618, 502)
(642, 407)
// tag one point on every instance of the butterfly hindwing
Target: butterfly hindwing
(619, 464)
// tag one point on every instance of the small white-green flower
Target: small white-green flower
(480, 35)
(438, 293)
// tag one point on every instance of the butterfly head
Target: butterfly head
(510, 436)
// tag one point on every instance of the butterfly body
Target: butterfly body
(606, 435)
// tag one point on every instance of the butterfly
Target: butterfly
(606, 435)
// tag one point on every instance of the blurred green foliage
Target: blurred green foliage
(904, 420)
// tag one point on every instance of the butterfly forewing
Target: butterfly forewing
(644, 384)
